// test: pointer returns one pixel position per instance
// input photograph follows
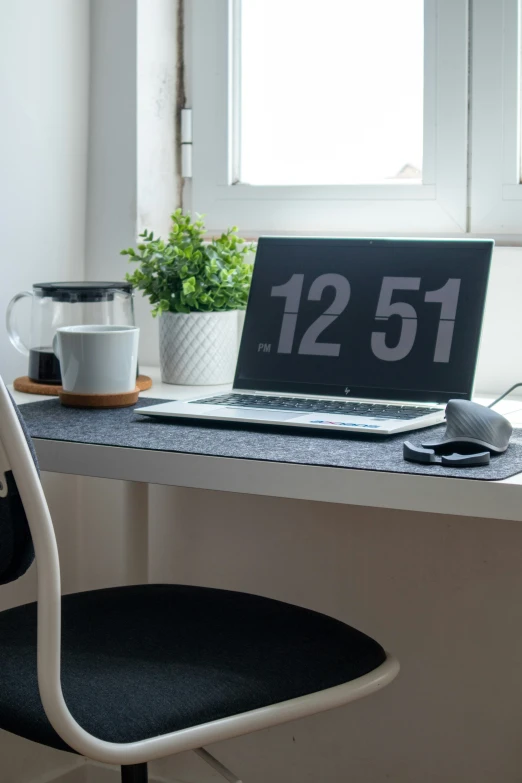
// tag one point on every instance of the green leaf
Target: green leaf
(189, 285)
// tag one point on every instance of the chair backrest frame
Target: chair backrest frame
(17, 457)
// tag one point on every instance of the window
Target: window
(353, 117)
(306, 117)
(496, 192)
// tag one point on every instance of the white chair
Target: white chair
(131, 674)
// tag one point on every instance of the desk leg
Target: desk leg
(136, 532)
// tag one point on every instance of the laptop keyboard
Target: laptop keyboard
(302, 405)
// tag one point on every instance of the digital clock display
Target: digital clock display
(389, 319)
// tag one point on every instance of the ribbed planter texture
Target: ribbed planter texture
(198, 349)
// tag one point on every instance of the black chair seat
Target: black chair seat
(142, 661)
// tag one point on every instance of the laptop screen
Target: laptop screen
(393, 319)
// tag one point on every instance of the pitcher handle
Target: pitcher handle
(11, 331)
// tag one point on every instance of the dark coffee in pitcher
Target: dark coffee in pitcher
(44, 366)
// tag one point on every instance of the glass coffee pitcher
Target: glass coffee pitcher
(66, 304)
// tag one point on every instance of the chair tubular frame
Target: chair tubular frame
(20, 461)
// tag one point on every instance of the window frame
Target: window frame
(496, 190)
(438, 205)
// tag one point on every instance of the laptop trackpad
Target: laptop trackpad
(249, 413)
(224, 412)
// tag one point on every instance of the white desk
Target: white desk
(465, 497)
(443, 592)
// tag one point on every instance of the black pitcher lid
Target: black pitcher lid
(82, 291)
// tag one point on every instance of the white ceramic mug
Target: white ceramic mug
(97, 359)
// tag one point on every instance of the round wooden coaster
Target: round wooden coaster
(26, 385)
(143, 382)
(123, 400)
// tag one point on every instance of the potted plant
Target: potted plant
(197, 288)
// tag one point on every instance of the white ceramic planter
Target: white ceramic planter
(198, 349)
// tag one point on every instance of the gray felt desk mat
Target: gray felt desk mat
(48, 419)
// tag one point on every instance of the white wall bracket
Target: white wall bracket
(186, 143)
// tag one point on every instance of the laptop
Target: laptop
(354, 335)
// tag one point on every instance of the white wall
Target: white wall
(71, 178)
(112, 181)
(500, 361)
(158, 194)
(132, 167)
(44, 72)
(44, 61)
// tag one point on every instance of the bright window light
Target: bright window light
(331, 92)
